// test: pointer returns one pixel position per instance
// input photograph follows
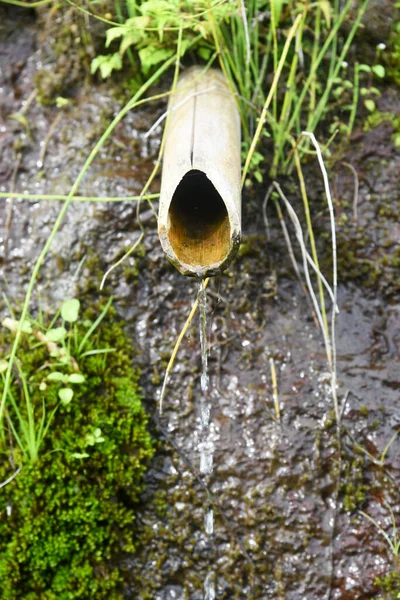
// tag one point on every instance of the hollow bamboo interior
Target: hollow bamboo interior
(199, 228)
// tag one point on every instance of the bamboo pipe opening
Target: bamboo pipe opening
(199, 228)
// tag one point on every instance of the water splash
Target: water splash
(209, 587)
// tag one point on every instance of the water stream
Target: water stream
(206, 446)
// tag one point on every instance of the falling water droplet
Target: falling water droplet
(206, 460)
(209, 521)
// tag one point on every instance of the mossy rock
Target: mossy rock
(68, 517)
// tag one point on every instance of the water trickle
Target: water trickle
(209, 587)
(206, 444)
(209, 521)
(203, 336)
(206, 458)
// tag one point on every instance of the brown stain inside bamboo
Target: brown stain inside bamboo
(199, 229)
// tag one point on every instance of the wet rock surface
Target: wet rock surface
(286, 500)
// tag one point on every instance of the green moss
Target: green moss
(377, 118)
(353, 488)
(70, 517)
(390, 585)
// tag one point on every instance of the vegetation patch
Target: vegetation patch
(70, 512)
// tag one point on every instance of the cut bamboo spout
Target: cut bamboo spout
(199, 221)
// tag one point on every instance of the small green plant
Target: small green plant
(151, 29)
(71, 511)
(347, 91)
(393, 542)
(65, 348)
(392, 51)
(249, 42)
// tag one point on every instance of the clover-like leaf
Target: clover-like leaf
(379, 71)
(80, 455)
(57, 334)
(55, 376)
(90, 439)
(76, 378)
(95, 437)
(70, 310)
(369, 105)
(98, 437)
(65, 395)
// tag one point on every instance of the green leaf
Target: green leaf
(325, 6)
(337, 92)
(70, 310)
(62, 102)
(3, 365)
(113, 33)
(151, 56)
(80, 455)
(365, 68)
(65, 395)
(277, 4)
(55, 376)
(204, 53)
(396, 140)
(106, 63)
(379, 71)
(76, 378)
(42, 386)
(22, 120)
(130, 39)
(56, 335)
(369, 105)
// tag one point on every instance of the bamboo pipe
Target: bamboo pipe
(199, 220)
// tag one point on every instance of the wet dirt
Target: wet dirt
(286, 500)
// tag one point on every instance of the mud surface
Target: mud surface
(286, 500)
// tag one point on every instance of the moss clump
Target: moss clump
(390, 585)
(377, 118)
(353, 487)
(73, 509)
